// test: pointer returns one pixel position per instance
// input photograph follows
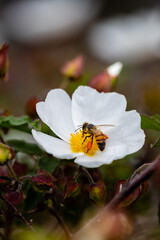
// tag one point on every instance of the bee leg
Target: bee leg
(86, 138)
(89, 144)
(83, 133)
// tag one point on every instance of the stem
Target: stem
(115, 202)
(138, 171)
(11, 170)
(88, 176)
(25, 177)
(61, 222)
(77, 173)
(17, 212)
(64, 83)
(1, 139)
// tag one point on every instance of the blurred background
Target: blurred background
(43, 34)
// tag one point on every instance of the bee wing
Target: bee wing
(105, 127)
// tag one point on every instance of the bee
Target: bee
(93, 131)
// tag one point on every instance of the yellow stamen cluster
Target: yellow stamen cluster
(80, 143)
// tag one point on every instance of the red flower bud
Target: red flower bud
(105, 81)
(73, 69)
(4, 62)
(4, 112)
(31, 107)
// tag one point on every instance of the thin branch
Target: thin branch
(11, 170)
(115, 202)
(61, 222)
(1, 139)
(64, 83)
(88, 175)
(17, 212)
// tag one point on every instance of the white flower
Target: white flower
(64, 115)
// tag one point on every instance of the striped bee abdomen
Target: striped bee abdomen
(101, 141)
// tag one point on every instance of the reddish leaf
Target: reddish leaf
(14, 197)
(43, 177)
(144, 188)
(72, 189)
(131, 198)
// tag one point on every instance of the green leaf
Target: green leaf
(25, 147)
(40, 126)
(156, 144)
(152, 122)
(36, 125)
(48, 163)
(20, 123)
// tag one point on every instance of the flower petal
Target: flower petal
(90, 106)
(90, 162)
(54, 146)
(56, 113)
(115, 69)
(126, 138)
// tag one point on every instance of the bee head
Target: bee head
(90, 126)
(84, 126)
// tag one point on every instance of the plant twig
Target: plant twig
(88, 175)
(61, 222)
(17, 212)
(115, 202)
(64, 83)
(1, 139)
(11, 170)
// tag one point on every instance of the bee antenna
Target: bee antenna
(78, 128)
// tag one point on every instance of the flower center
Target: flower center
(83, 143)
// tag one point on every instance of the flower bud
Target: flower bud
(72, 189)
(31, 107)
(73, 69)
(105, 81)
(97, 192)
(4, 112)
(4, 62)
(43, 178)
(6, 153)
